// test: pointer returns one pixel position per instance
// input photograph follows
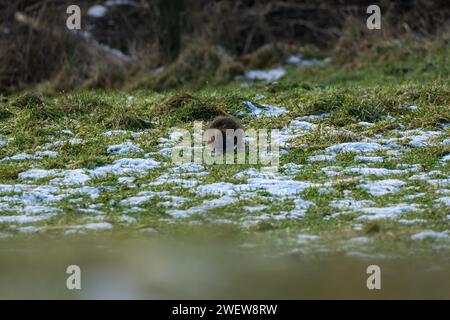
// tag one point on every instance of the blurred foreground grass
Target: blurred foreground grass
(153, 269)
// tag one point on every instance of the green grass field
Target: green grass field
(368, 176)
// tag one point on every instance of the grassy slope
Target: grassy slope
(375, 85)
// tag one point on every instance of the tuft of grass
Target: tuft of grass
(79, 104)
(185, 107)
(28, 100)
(372, 228)
(5, 113)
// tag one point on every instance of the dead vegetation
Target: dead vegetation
(219, 40)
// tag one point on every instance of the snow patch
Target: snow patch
(430, 234)
(358, 147)
(265, 75)
(382, 187)
(387, 212)
(374, 171)
(97, 11)
(265, 110)
(124, 149)
(322, 157)
(368, 159)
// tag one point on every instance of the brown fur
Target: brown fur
(223, 123)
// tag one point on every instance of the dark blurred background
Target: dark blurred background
(162, 44)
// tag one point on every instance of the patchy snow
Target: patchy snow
(97, 11)
(305, 238)
(360, 240)
(26, 202)
(124, 148)
(20, 157)
(265, 75)
(366, 124)
(358, 147)
(126, 166)
(264, 110)
(255, 173)
(292, 168)
(368, 159)
(173, 201)
(126, 180)
(126, 219)
(423, 140)
(332, 171)
(111, 3)
(218, 188)
(20, 219)
(49, 154)
(256, 208)
(351, 204)
(37, 174)
(72, 141)
(141, 198)
(275, 187)
(72, 177)
(322, 157)
(387, 212)
(112, 133)
(412, 221)
(67, 132)
(302, 204)
(8, 188)
(414, 196)
(28, 229)
(203, 207)
(187, 168)
(441, 183)
(299, 61)
(178, 182)
(444, 201)
(322, 116)
(95, 226)
(430, 234)
(64, 177)
(374, 171)
(302, 125)
(382, 187)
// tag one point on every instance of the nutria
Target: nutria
(222, 123)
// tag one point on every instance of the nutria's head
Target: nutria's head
(219, 126)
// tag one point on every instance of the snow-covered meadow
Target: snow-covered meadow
(384, 178)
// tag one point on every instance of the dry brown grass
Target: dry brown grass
(220, 40)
